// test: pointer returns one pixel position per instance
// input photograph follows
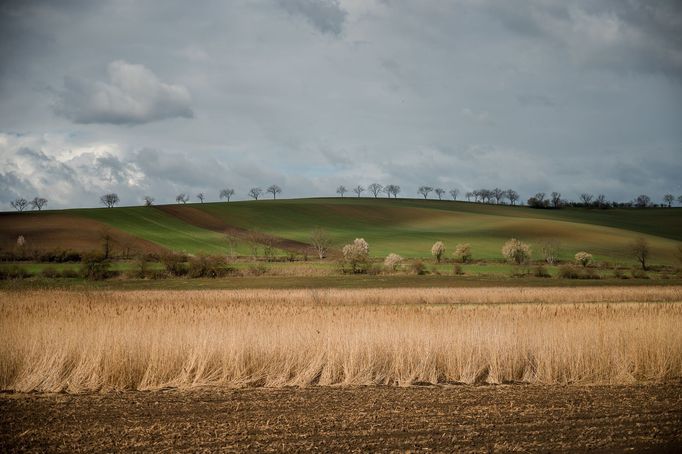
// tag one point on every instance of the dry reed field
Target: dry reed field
(145, 340)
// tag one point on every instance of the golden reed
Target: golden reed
(54, 341)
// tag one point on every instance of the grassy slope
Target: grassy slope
(409, 227)
(158, 227)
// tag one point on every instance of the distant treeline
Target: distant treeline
(493, 196)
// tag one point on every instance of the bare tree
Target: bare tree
(38, 203)
(274, 190)
(669, 199)
(254, 193)
(424, 190)
(499, 195)
(454, 193)
(201, 196)
(109, 200)
(550, 249)
(341, 190)
(440, 192)
(601, 201)
(321, 242)
(358, 190)
(107, 240)
(485, 195)
(642, 201)
(182, 198)
(148, 201)
(538, 201)
(375, 189)
(19, 204)
(227, 193)
(555, 199)
(586, 198)
(640, 250)
(513, 196)
(469, 195)
(392, 190)
(679, 199)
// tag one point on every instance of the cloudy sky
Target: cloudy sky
(158, 98)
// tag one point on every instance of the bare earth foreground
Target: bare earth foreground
(452, 418)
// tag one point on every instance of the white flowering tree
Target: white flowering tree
(356, 255)
(463, 252)
(516, 251)
(583, 258)
(393, 261)
(437, 250)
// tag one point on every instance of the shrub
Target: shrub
(257, 269)
(437, 250)
(589, 273)
(207, 266)
(49, 273)
(618, 274)
(57, 256)
(174, 264)
(94, 266)
(583, 258)
(457, 270)
(639, 274)
(418, 267)
(392, 262)
(516, 251)
(68, 273)
(356, 256)
(374, 270)
(519, 271)
(463, 252)
(540, 271)
(569, 272)
(140, 267)
(13, 272)
(573, 272)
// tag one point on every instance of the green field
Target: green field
(158, 227)
(404, 226)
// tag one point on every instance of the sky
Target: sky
(165, 97)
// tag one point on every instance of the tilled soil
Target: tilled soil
(442, 419)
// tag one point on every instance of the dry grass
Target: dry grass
(100, 341)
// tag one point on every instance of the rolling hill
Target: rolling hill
(405, 226)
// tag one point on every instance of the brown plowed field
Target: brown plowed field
(47, 232)
(328, 419)
(206, 221)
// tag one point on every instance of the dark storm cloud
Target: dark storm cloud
(612, 34)
(132, 95)
(325, 15)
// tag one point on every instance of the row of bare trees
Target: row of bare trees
(227, 194)
(587, 200)
(496, 195)
(391, 190)
(21, 204)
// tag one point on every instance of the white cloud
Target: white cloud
(133, 95)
